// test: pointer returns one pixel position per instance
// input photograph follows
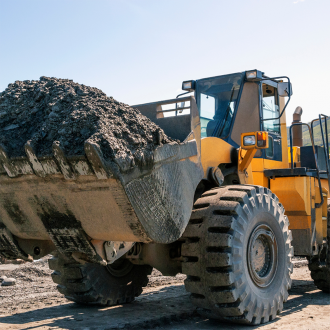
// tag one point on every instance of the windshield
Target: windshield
(216, 101)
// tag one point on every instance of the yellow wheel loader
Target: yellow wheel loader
(229, 205)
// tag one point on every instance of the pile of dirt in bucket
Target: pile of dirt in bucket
(58, 110)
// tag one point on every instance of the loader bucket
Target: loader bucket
(78, 200)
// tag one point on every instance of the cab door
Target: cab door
(270, 109)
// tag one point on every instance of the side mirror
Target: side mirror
(284, 89)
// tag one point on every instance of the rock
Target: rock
(10, 127)
(2, 278)
(9, 281)
(53, 115)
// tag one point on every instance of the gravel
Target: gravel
(58, 110)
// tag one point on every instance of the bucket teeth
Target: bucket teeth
(94, 156)
(62, 161)
(33, 160)
(7, 164)
(9, 248)
(57, 163)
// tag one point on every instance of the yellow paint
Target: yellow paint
(215, 151)
(271, 164)
(324, 212)
(257, 164)
(325, 185)
(299, 221)
(299, 196)
(244, 165)
(245, 161)
(318, 212)
(294, 193)
(296, 156)
(260, 179)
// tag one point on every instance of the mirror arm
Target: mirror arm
(287, 102)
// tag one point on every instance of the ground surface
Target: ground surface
(34, 303)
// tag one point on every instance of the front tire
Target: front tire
(238, 254)
(110, 285)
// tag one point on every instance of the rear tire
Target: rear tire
(110, 285)
(237, 254)
(320, 266)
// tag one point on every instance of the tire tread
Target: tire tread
(93, 284)
(214, 277)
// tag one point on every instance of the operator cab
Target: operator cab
(241, 102)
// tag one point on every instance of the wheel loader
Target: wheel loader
(229, 205)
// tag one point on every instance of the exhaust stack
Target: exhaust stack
(297, 136)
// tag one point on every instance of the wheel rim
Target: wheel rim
(262, 256)
(120, 267)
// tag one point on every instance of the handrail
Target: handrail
(176, 109)
(170, 101)
(176, 105)
(171, 110)
(317, 205)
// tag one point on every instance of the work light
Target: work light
(188, 85)
(253, 75)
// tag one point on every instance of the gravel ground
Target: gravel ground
(58, 110)
(34, 303)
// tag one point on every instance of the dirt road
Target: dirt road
(34, 303)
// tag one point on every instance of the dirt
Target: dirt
(34, 303)
(50, 110)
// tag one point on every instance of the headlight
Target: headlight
(253, 75)
(188, 85)
(249, 140)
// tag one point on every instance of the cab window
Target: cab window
(216, 99)
(270, 108)
(270, 149)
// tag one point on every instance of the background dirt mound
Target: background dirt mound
(52, 109)
(27, 273)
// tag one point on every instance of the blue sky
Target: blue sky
(141, 51)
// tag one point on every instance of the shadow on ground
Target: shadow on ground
(151, 308)
(170, 304)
